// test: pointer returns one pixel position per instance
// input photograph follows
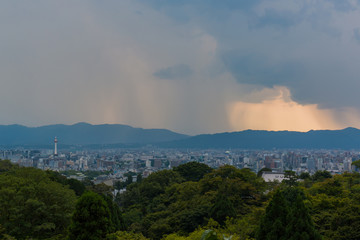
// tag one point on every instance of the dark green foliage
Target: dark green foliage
(143, 192)
(299, 223)
(3, 234)
(321, 175)
(335, 206)
(345, 222)
(222, 209)
(292, 193)
(6, 165)
(139, 178)
(158, 229)
(228, 171)
(273, 225)
(129, 179)
(56, 177)
(193, 171)
(101, 189)
(37, 204)
(119, 185)
(32, 205)
(117, 222)
(330, 187)
(188, 219)
(78, 187)
(304, 175)
(165, 202)
(209, 235)
(88, 183)
(290, 179)
(287, 218)
(122, 235)
(91, 219)
(356, 163)
(164, 178)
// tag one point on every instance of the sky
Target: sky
(191, 66)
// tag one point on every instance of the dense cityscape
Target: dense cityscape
(116, 163)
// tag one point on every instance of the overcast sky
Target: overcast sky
(192, 66)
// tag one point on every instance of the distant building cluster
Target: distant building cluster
(146, 160)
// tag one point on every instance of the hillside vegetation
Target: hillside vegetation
(191, 201)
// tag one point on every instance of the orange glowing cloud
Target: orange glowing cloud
(282, 113)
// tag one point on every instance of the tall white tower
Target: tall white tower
(55, 150)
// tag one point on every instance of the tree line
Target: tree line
(191, 201)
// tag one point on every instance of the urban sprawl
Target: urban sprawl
(117, 163)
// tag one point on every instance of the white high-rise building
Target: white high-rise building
(55, 149)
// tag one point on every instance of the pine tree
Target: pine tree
(117, 222)
(300, 225)
(91, 219)
(273, 225)
(287, 218)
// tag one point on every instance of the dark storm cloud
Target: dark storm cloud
(305, 46)
(259, 70)
(105, 61)
(209, 5)
(281, 19)
(357, 35)
(343, 5)
(184, 11)
(180, 71)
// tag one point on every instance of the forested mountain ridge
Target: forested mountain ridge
(189, 202)
(256, 139)
(83, 133)
(117, 135)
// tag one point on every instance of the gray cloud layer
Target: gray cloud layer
(179, 71)
(110, 61)
(309, 46)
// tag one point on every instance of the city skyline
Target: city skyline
(188, 66)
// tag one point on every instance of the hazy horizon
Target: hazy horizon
(139, 127)
(188, 66)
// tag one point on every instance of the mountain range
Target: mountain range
(84, 134)
(124, 135)
(348, 138)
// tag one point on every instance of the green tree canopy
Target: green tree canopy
(335, 205)
(32, 205)
(193, 171)
(273, 225)
(91, 219)
(290, 179)
(165, 202)
(121, 235)
(299, 223)
(321, 175)
(222, 209)
(356, 163)
(304, 175)
(76, 185)
(6, 165)
(287, 218)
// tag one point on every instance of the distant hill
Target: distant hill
(348, 138)
(85, 134)
(116, 135)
